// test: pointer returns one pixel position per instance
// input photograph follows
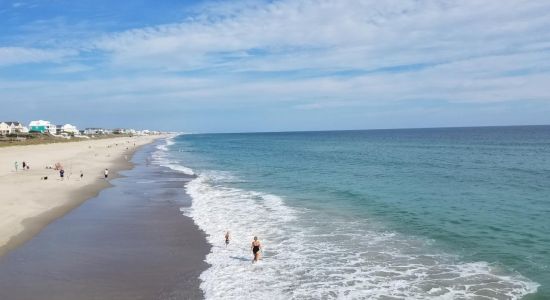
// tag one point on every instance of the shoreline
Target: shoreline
(131, 241)
(35, 222)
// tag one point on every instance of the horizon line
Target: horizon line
(367, 129)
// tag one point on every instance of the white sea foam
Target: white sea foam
(161, 157)
(311, 255)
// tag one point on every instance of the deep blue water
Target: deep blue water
(482, 194)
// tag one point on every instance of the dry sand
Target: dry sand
(28, 204)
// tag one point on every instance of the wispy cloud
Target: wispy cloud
(19, 55)
(293, 35)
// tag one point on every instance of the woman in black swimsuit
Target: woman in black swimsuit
(227, 237)
(256, 246)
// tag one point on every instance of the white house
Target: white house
(70, 129)
(11, 127)
(4, 128)
(42, 127)
(94, 131)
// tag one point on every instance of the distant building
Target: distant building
(42, 126)
(68, 129)
(91, 131)
(12, 127)
(4, 128)
(119, 131)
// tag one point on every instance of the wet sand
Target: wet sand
(29, 203)
(130, 242)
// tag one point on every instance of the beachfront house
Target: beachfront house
(119, 131)
(68, 129)
(42, 126)
(16, 127)
(58, 129)
(12, 127)
(91, 131)
(4, 128)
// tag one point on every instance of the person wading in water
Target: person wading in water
(256, 247)
(227, 238)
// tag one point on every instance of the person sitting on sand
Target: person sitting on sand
(227, 238)
(256, 247)
(62, 174)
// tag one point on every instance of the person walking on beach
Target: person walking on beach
(227, 238)
(24, 166)
(106, 173)
(16, 166)
(256, 247)
(81, 175)
(62, 174)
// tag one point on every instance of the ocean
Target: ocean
(447, 213)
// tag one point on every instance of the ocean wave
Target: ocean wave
(162, 158)
(314, 255)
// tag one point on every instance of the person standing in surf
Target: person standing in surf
(256, 247)
(227, 238)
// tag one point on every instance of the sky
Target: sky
(256, 65)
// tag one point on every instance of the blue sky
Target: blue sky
(226, 66)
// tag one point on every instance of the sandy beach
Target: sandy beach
(129, 242)
(29, 203)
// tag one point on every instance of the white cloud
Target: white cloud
(320, 34)
(19, 55)
(70, 68)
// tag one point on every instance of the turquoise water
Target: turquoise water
(476, 195)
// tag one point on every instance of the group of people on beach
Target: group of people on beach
(256, 246)
(62, 174)
(25, 166)
(58, 167)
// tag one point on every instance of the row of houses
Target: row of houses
(100, 131)
(109, 131)
(11, 127)
(40, 126)
(46, 127)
